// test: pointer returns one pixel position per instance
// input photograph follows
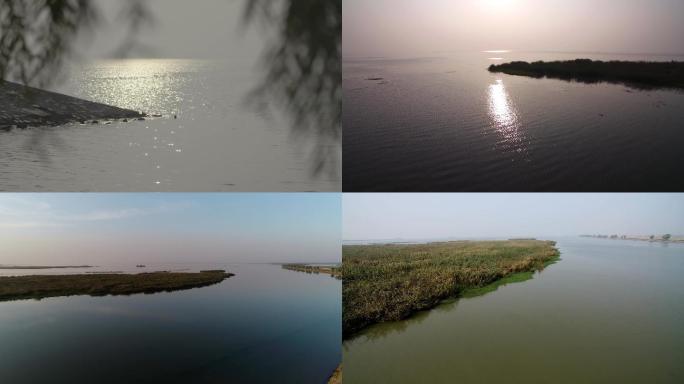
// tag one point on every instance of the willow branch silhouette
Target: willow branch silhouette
(302, 69)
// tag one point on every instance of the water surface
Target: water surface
(217, 142)
(611, 311)
(263, 325)
(447, 124)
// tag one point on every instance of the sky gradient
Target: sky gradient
(463, 216)
(99, 229)
(409, 28)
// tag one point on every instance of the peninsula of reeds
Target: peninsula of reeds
(392, 281)
(646, 74)
(42, 286)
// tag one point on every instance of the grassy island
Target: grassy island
(390, 282)
(330, 270)
(641, 74)
(42, 286)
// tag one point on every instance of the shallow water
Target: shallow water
(217, 143)
(610, 311)
(263, 325)
(447, 124)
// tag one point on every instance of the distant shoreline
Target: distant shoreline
(43, 266)
(637, 238)
(638, 74)
(316, 269)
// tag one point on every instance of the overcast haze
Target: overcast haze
(462, 215)
(112, 229)
(198, 29)
(417, 27)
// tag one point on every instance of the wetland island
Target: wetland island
(641, 74)
(43, 286)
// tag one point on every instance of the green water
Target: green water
(609, 311)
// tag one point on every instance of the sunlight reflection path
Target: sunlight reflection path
(505, 119)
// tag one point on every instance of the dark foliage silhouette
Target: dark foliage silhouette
(304, 69)
(640, 74)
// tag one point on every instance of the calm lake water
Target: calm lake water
(610, 311)
(217, 143)
(447, 124)
(264, 325)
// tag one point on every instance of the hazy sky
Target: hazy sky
(182, 29)
(100, 229)
(461, 215)
(417, 27)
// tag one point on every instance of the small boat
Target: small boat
(140, 266)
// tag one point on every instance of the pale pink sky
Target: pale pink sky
(407, 28)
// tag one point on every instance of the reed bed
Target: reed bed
(42, 286)
(391, 281)
(640, 74)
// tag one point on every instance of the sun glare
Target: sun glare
(497, 5)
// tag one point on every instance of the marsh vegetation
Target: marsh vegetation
(391, 281)
(638, 73)
(42, 286)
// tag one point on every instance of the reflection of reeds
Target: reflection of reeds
(390, 282)
(42, 286)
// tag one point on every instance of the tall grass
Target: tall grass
(390, 282)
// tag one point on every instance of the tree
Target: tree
(667, 237)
